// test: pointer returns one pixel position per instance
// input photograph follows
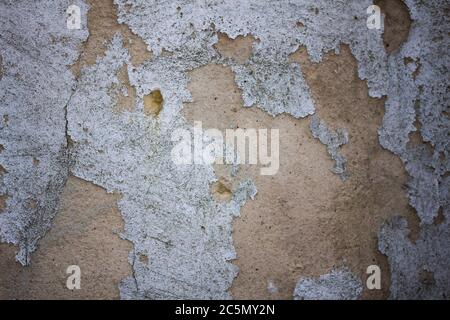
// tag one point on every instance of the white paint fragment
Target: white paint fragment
(271, 287)
(339, 284)
(333, 140)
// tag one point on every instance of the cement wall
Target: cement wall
(88, 178)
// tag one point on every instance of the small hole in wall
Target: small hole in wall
(1, 148)
(143, 258)
(220, 191)
(153, 103)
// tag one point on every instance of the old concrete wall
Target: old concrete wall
(88, 178)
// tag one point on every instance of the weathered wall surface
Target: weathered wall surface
(87, 176)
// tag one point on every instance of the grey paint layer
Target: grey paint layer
(267, 79)
(333, 140)
(418, 90)
(37, 50)
(339, 284)
(169, 213)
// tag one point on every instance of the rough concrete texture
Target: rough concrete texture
(104, 107)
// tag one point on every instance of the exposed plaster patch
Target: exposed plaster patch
(238, 49)
(2, 171)
(397, 23)
(339, 284)
(440, 218)
(3, 199)
(85, 232)
(102, 24)
(305, 202)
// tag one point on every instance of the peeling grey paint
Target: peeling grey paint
(188, 30)
(37, 50)
(169, 213)
(283, 90)
(423, 94)
(427, 45)
(267, 79)
(408, 261)
(333, 140)
(339, 284)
